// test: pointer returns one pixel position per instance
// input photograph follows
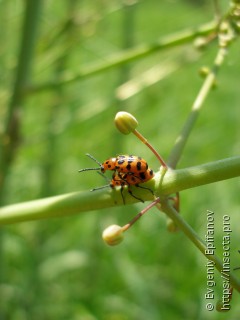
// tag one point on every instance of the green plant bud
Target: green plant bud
(125, 122)
(113, 235)
(200, 43)
(204, 72)
(171, 226)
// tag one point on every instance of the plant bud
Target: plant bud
(171, 226)
(113, 235)
(125, 122)
(204, 72)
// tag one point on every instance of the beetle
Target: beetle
(128, 170)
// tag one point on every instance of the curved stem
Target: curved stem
(145, 141)
(140, 214)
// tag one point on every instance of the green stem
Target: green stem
(10, 139)
(196, 240)
(77, 202)
(201, 97)
(127, 56)
(28, 41)
(178, 180)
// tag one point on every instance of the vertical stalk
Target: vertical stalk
(196, 240)
(10, 134)
(66, 34)
(196, 107)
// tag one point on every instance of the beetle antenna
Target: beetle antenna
(98, 188)
(102, 175)
(95, 160)
(91, 157)
(87, 169)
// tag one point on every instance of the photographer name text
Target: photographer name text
(210, 265)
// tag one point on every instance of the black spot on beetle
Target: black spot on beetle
(139, 165)
(142, 175)
(128, 167)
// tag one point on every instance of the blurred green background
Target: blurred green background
(60, 268)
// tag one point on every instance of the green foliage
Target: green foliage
(60, 268)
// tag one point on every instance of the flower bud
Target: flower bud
(171, 226)
(113, 235)
(125, 122)
(204, 72)
(200, 43)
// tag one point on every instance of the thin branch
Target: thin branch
(228, 30)
(127, 56)
(196, 107)
(196, 240)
